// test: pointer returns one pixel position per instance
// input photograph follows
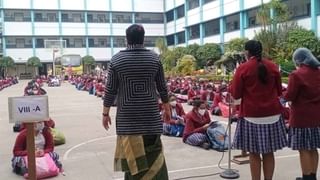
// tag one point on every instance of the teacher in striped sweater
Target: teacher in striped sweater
(135, 76)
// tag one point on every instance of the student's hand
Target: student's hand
(106, 121)
(167, 112)
(39, 153)
(206, 126)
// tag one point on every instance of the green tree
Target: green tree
(161, 45)
(35, 63)
(280, 14)
(186, 65)
(207, 52)
(5, 63)
(192, 49)
(168, 61)
(88, 62)
(236, 45)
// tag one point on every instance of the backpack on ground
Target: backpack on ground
(218, 136)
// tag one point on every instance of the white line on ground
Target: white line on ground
(66, 154)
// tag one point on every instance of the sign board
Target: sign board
(28, 109)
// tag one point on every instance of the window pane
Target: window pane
(170, 40)
(18, 42)
(169, 16)
(180, 12)
(119, 41)
(75, 42)
(99, 41)
(181, 37)
(46, 16)
(39, 43)
(298, 8)
(193, 4)
(149, 41)
(212, 28)
(122, 17)
(149, 18)
(207, 1)
(72, 16)
(194, 32)
(17, 15)
(232, 22)
(252, 17)
(98, 17)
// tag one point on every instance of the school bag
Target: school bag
(218, 136)
(58, 137)
(45, 167)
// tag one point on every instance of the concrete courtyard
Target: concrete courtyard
(88, 153)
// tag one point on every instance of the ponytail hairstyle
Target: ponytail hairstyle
(254, 49)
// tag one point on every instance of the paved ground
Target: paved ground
(88, 153)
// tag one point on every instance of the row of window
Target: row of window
(79, 16)
(232, 22)
(75, 42)
(297, 9)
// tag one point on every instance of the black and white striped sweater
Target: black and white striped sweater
(135, 76)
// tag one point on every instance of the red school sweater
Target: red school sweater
(258, 99)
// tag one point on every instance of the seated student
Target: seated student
(193, 93)
(175, 126)
(99, 88)
(197, 123)
(43, 143)
(208, 95)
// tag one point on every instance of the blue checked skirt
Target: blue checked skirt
(304, 138)
(260, 138)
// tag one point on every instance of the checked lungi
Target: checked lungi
(140, 157)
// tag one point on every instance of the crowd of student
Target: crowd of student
(7, 82)
(93, 84)
(261, 127)
(204, 95)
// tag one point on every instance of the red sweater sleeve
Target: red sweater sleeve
(20, 146)
(293, 88)
(49, 146)
(180, 110)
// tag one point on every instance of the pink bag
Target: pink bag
(45, 167)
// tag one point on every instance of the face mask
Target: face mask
(39, 126)
(173, 103)
(202, 111)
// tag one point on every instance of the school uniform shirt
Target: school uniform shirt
(258, 99)
(195, 123)
(178, 111)
(20, 146)
(192, 93)
(304, 93)
(206, 96)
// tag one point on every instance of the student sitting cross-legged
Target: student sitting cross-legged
(174, 126)
(197, 123)
(43, 144)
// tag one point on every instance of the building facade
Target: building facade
(218, 21)
(97, 27)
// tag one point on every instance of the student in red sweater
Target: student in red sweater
(193, 93)
(260, 130)
(197, 123)
(174, 126)
(208, 95)
(43, 142)
(304, 93)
